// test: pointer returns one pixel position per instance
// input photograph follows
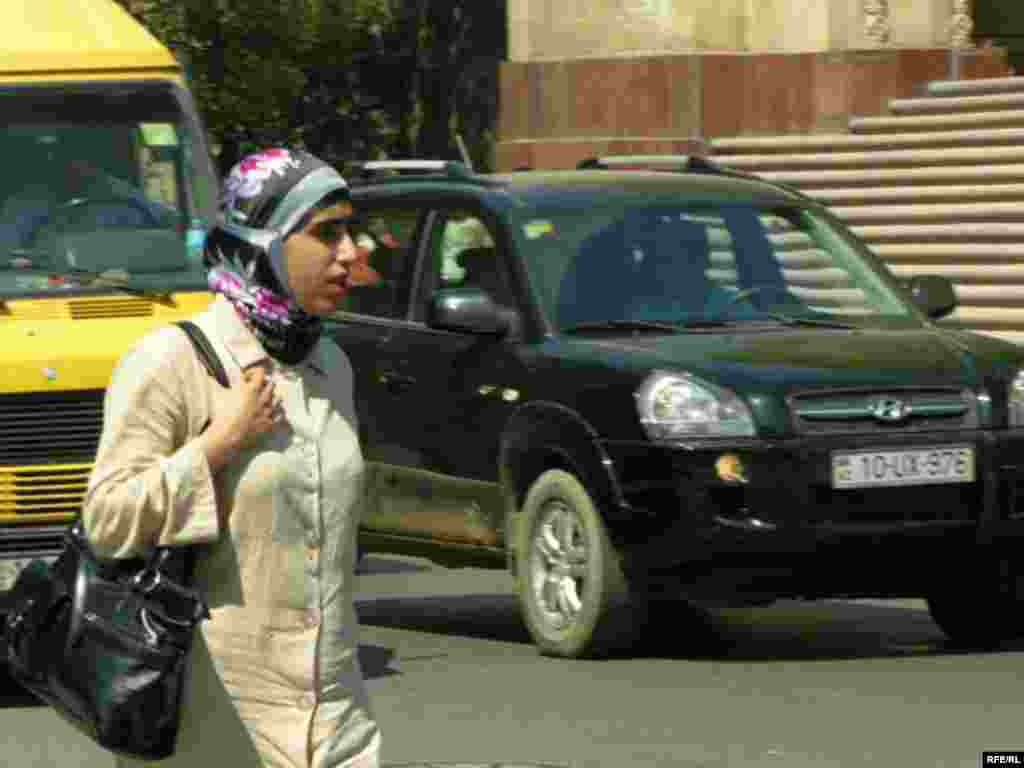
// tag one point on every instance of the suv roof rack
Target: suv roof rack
(683, 163)
(373, 168)
(680, 164)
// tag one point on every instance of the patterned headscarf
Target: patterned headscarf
(273, 191)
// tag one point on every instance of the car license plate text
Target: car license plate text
(917, 466)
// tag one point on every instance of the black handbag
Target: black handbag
(105, 642)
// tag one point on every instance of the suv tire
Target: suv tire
(574, 595)
(985, 612)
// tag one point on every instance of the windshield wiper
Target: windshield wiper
(810, 322)
(118, 280)
(681, 326)
(622, 325)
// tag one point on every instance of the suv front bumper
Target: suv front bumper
(785, 531)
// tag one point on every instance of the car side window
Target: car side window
(385, 245)
(464, 254)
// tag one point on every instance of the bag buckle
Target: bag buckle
(178, 605)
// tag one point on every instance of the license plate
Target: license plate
(11, 567)
(907, 466)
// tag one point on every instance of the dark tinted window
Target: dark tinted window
(464, 254)
(670, 263)
(385, 239)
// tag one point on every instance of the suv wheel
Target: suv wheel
(574, 596)
(987, 611)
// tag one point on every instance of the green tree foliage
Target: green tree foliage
(348, 79)
(442, 57)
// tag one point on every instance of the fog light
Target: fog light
(729, 468)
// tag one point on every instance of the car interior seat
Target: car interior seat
(481, 271)
(650, 267)
(671, 258)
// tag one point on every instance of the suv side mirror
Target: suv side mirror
(469, 310)
(933, 294)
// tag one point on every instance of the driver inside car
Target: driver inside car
(69, 192)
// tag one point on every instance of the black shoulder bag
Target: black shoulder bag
(105, 642)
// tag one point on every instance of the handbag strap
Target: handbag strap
(167, 573)
(205, 351)
(179, 562)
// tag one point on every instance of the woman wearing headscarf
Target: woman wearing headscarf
(265, 476)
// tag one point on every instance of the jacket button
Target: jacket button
(312, 618)
(307, 701)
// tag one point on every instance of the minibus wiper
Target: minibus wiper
(118, 280)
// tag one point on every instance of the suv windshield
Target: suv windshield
(100, 181)
(703, 266)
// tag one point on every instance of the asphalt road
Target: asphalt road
(455, 679)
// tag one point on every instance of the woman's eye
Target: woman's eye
(331, 231)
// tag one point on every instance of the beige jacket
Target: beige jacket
(274, 679)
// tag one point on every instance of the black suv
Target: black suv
(635, 384)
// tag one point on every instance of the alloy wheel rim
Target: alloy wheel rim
(558, 565)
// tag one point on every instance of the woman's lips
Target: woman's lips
(339, 284)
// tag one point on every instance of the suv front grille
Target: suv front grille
(889, 410)
(47, 444)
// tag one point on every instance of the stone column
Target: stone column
(961, 25)
(876, 22)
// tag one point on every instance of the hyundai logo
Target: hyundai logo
(890, 410)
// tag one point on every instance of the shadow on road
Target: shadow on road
(376, 661)
(483, 616)
(372, 564)
(12, 695)
(821, 631)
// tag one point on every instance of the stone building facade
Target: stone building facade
(586, 77)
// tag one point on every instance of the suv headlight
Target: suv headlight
(675, 406)
(1016, 400)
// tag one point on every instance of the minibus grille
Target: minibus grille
(47, 445)
(106, 307)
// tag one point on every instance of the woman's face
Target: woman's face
(319, 258)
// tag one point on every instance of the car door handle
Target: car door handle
(396, 383)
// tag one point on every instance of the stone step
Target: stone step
(903, 177)
(987, 318)
(984, 296)
(986, 103)
(907, 158)
(937, 187)
(1014, 337)
(834, 142)
(975, 87)
(953, 193)
(954, 232)
(991, 256)
(926, 213)
(964, 274)
(953, 121)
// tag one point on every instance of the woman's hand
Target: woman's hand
(257, 411)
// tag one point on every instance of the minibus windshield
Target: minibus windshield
(96, 180)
